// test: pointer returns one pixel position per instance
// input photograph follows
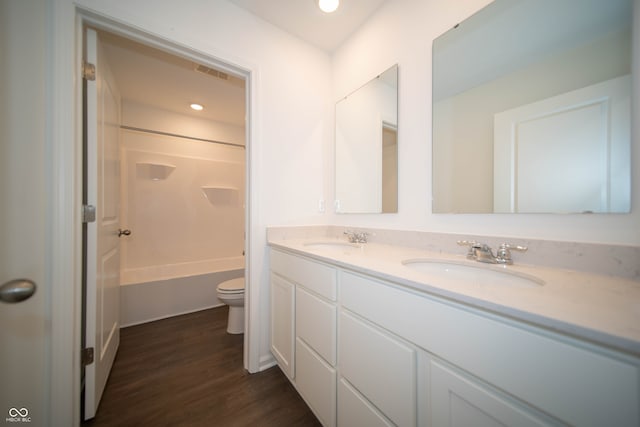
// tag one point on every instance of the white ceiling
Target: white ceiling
(152, 77)
(305, 20)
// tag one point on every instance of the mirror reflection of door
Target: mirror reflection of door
(499, 60)
(389, 168)
(567, 153)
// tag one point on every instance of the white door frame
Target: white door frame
(64, 228)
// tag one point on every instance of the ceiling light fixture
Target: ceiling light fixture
(197, 107)
(328, 6)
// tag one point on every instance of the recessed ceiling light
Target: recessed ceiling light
(197, 107)
(328, 6)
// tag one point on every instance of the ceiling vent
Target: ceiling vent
(212, 72)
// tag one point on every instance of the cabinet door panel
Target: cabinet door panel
(316, 382)
(282, 327)
(382, 368)
(355, 411)
(316, 324)
(458, 401)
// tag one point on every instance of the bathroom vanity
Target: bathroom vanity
(368, 341)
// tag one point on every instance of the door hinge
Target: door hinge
(86, 356)
(88, 71)
(88, 213)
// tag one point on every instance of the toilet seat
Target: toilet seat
(232, 287)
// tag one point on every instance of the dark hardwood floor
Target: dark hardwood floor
(187, 371)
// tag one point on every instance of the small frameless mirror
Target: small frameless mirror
(366, 145)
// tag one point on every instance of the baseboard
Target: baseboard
(266, 361)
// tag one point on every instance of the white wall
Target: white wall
(402, 32)
(143, 116)
(291, 114)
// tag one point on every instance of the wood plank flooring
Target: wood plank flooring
(187, 371)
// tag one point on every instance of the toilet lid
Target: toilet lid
(232, 286)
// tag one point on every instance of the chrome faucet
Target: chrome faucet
(356, 236)
(481, 252)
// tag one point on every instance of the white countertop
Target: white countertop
(601, 309)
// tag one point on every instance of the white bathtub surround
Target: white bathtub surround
(171, 220)
(590, 291)
(153, 273)
(158, 292)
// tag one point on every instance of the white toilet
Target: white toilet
(231, 293)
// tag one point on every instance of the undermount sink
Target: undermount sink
(481, 275)
(343, 247)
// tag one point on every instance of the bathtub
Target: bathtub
(157, 292)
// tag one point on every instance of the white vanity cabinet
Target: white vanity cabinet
(310, 331)
(506, 370)
(369, 352)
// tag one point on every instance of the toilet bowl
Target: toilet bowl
(231, 293)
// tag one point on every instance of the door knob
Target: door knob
(17, 290)
(122, 232)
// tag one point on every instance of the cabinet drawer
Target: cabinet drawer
(313, 275)
(316, 324)
(355, 411)
(316, 382)
(382, 368)
(578, 385)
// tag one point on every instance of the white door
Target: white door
(103, 192)
(24, 326)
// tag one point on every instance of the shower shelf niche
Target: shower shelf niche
(217, 195)
(153, 171)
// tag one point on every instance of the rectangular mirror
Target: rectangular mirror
(367, 147)
(531, 109)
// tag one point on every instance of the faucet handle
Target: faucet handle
(356, 236)
(473, 245)
(362, 237)
(503, 255)
(511, 247)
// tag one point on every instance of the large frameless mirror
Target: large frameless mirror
(367, 147)
(531, 109)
